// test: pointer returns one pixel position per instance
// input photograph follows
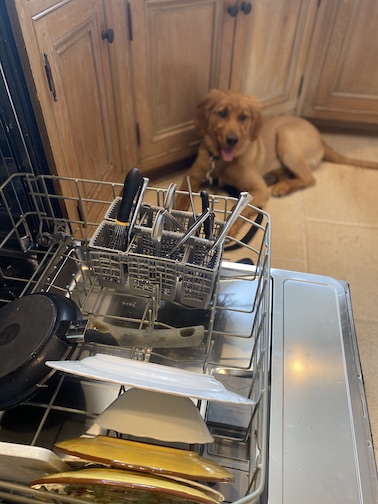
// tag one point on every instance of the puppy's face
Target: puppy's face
(228, 122)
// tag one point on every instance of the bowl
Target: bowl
(155, 415)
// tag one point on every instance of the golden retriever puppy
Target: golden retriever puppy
(239, 149)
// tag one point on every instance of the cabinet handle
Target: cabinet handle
(49, 76)
(246, 7)
(108, 35)
(233, 10)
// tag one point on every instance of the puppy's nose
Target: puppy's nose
(232, 139)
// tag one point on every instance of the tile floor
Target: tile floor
(332, 229)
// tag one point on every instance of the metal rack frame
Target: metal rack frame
(60, 245)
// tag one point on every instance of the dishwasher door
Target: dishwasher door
(321, 448)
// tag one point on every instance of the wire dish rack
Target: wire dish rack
(61, 254)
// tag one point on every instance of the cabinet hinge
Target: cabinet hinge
(129, 21)
(137, 132)
(300, 86)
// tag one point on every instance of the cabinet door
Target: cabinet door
(64, 39)
(269, 54)
(175, 51)
(342, 79)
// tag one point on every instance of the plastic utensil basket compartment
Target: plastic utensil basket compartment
(199, 274)
(188, 275)
(108, 264)
(151, 273)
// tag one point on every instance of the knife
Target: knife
(138, 204)
(209, 222)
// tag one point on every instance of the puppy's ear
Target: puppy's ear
(202, 112)
(256, 119)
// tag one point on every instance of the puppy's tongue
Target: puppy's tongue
(228, 154)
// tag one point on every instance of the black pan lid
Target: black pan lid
(25, 325)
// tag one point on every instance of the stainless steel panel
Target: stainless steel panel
(320, 442)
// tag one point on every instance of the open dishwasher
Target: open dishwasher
(306, 438)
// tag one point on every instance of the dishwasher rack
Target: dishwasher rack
(55, 249)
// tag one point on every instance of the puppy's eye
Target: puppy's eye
(242, 117)
(223, 113)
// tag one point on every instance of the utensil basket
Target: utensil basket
(149, 266)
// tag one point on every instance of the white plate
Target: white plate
(149, 376)
(23, 463)
(153, 415)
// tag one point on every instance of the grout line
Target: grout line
(305, 247)
(338, 223)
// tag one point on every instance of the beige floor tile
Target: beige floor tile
(367, 336)
(343, 194)
(289, 264)
(357, 146)
(347, 253)
(287, 220)
(165, 180)
(287, 234)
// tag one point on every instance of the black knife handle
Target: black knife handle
(207, 225)
(130, 188)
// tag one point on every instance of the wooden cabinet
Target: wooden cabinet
(70, 66)
(341, 78)
(269, 51)
(175, 49)
(182, 48)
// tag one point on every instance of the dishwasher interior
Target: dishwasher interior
(285, 340)
(54, 255)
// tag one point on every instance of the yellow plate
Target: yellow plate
(108, 485)
(126, 454)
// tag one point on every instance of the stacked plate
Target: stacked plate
(150, 376)
(159, 407)
(135, 471)
(111, 485)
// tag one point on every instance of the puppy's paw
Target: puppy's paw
(281, 188)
